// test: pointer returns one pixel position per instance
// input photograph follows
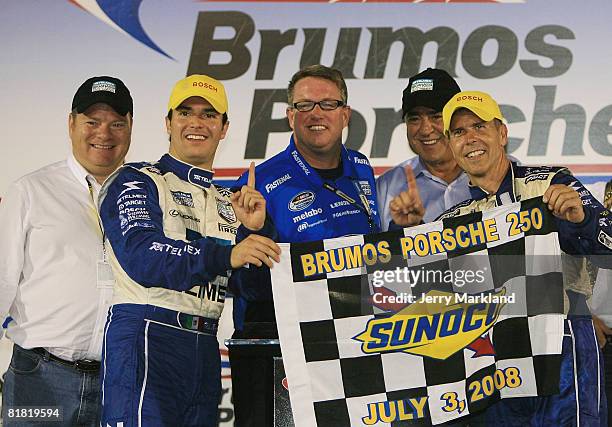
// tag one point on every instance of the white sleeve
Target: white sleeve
(13, 235)
(597, 190)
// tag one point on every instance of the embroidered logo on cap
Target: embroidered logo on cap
(105, 86)
(421, 84)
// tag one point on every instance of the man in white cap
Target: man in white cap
(171, 233)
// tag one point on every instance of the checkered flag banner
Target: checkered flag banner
(423, 325)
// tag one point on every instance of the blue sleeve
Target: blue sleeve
(242, 180)
(268, 229)
(254, 283)
(382, 195)
(133, 223)
(376, 208)
(593, 236)
(394, 227)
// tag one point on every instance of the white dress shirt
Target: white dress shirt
(50, 244)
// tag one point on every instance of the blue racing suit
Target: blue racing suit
(581, 400)
(170, 232)
(301, 206)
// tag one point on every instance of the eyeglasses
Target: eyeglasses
(325, 105)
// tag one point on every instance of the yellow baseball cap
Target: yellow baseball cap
(199, 85)
(479, 103)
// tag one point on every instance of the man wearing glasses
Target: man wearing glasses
(314, 189)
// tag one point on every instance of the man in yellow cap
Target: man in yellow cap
(171, 233)
(474, 124)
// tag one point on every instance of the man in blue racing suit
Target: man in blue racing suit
(171, 234)
(477, 135)
(315, 189)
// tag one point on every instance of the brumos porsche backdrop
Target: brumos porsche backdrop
(546, 62)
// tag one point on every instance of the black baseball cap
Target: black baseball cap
(431, 88)
(104, 89)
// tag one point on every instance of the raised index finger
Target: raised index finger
(410, 179)
(251, 176)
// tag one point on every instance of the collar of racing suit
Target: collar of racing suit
(197, 176)
(310, 174)
(505, 193)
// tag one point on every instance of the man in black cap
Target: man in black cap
(439, 180)
(55, 281)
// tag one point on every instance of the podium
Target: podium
(264, 348)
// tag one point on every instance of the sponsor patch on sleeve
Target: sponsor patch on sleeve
(605, 239)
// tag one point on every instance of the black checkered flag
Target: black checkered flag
(424, 325)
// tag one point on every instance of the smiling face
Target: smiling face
(100, 139)
(478, 146)
(318, 133)
(425, 132)
(195, 131)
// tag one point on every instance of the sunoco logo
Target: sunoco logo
(271, 186)
(437, 331)
(301, 201)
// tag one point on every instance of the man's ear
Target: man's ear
(225, 128)
(70, 123)
(168, 128)
(290, 116)
(504, 134)
(346, 116)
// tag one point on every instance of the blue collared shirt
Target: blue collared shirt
(436, 194)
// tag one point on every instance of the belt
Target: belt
(82, 365)
(190, 322)
(198, 323)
